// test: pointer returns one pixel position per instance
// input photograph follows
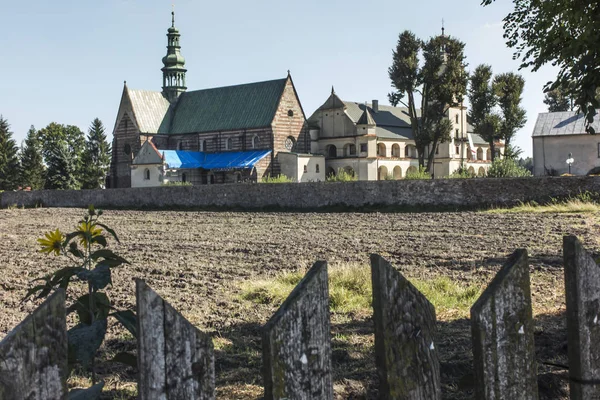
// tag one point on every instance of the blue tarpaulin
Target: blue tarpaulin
(213, 161)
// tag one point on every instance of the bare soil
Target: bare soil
(198, 260)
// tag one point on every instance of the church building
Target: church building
(217, 135)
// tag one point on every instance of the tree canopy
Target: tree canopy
(564, 33)
(439, 78)
(95, 157)
(9, 159)
(32, 165)
(61, 150)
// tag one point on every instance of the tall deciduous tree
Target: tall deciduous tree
(32, 165)
(508, 88)
(440, 80)
(9, 159)
(483, 100)
(96, 157)
(60, 156)
(557, 101)
(564, 33)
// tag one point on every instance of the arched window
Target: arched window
(229, 144)
(407, 152)
(456, 117)
(479, 153)
(147, 174)
(183, 177)
(330, 171)
(202, 145)
(488, 154)
(290, 113)
(396, 150)
(255, 142)
(383, 173)
(317, 169)
(381, 150)
(179, 145)
(127, 149)
(397, 172)
(331, 151)
(305, 168)
(349, 170)
(481, 171)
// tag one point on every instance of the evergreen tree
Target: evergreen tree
(60, 157)
(76, 146)
(9, 158)
(440, 80)
(96, 157)
(32, 166)
(557, 101)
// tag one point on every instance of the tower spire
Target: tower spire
(443, 28)
(174, 64)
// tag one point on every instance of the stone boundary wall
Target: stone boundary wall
(397, 195)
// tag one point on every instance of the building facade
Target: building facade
(376, 142)
(560, 136)
(262, 116)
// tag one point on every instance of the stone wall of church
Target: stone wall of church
(126, 144)
(289, 122)
(453, 193)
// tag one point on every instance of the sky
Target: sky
(65, 61)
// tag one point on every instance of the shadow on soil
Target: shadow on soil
(355, 376)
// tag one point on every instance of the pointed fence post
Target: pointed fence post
(405, 329)
(297, 343)
(175, 359)
(502, 328)
(33, 356)
(582, 288)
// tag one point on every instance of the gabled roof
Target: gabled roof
(213, 161)
(561, 124)
(150, 110)
(228, 108)
(148, 154)
(366, 118)
(333, 102)
(246, 106)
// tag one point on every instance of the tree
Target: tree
(96, 157)
(441, 82)
(564, 33)
(76, 145)
(60, 156)
(9, 159)
(508, 89)
(483, 100)
(32, 165)
(557, 101)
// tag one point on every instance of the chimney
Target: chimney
(375, 106)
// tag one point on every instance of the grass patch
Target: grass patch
(350, 291)
(567, 206)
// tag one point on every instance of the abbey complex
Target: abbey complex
(249, 131)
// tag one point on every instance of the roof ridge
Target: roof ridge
(236, 86)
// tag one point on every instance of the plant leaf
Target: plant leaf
(109, 230)
(91, 393)
(125, 358)
(100, 239)
(107, 255)
(82, 307)
(85, 340)
(128, 319)
(99, 277)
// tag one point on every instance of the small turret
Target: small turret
(174, 65)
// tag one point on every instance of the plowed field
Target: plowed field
(198, 260)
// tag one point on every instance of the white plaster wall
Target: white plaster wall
(311, 163)
(137, 175)
(553, 151)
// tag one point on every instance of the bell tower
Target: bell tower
(174, 65)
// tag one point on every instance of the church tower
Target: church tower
(174, 65)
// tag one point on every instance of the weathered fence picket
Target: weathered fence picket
(175, 359)
(33, 356)
(297, 343)
(502, 328)
(582, 288)
(405, 351)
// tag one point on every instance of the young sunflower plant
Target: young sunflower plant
(92, 261)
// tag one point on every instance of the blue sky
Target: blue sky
(66, 60)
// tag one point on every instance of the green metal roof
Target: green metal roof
(246, 106)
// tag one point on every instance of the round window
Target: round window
(289, 143)
(127, 149)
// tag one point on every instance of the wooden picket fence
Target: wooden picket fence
(176, 360)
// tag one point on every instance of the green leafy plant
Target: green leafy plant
(342, 176)
(276, 179)
(507, 168)
(176, 183)
(462, 173)
(92, 262)
(421, 173)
